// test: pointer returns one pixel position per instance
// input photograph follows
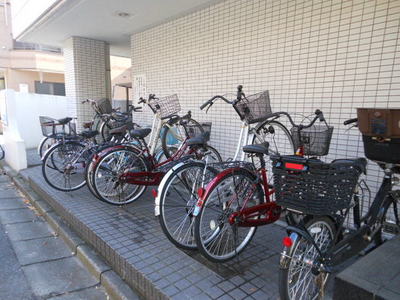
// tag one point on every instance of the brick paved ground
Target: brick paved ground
(131, 240)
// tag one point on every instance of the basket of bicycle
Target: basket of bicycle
(194, 130)
(254, 108)
(165, 106)
(381, 133)
(313, 187)
(52, 127)
(315, 139)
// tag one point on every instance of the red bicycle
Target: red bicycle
(122, 173)
(239, 199)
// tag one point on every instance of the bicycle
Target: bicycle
(106, 118)
(177, 192)
(65, 164)
(320, 196)
(239, 199)
(53, 131)
(122, 174)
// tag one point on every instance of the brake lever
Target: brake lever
(209, 107)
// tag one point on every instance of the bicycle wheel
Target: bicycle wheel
(178, 198)
(45, 144)
(297, 280)
(172, 136)
(63, 166)
(90, 169)
(106, 176)
(208, 152)
(1, 153)
(217, 239)
(279, 139)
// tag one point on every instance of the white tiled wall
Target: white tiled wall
(87, 66)
(329, 54)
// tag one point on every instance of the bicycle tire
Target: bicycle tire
(2, 153)
(219, 225)
(263, 135)
(45, 144)
(182, 183)
(50, 173)
(167, 132)
(296, 259)
(100, 171)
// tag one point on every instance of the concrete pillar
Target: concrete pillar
(87, 73)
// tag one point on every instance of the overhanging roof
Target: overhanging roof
(102, 20)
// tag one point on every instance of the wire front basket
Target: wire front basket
(195, 130)
(103, 106)
(315, 140)
(314, 187)
(254, 108)
(52, 128)
(165, 106)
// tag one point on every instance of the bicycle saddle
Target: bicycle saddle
(360, 163)
(89, 134)
(64, 121)
(257, 148)
(140, 133)
(122, 129)
(200, 139)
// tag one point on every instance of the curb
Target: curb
(116, 288)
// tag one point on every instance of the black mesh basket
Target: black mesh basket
(315, 140)
(254, 108)
(166, 106)
(313, 187)
(194, 130)
(52, 128)
(103, 106)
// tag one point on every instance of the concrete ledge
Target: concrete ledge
(374, 276)
(92, 261)
(116, 288)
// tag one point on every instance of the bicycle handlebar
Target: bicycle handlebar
(239, 96)
(350, 121)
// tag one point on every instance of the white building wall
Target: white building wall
(333, 55)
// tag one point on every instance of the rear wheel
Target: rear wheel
(64, 165)
(217, 238)
(279, 139)
(298, 280)
(106, 176)
(178, 199)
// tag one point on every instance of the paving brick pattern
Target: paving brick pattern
(132, 242)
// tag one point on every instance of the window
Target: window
(2, 83)
(50, 88)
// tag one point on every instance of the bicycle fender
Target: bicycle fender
(306, 235)
(160, 188)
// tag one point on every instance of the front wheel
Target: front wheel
(297, 279)
(217, 237)
(178, 200)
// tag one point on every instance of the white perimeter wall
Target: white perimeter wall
(333, 55)
(20, 116)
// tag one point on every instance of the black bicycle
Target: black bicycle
(321, 198)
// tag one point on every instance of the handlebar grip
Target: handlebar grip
(205, 104)
(350, 121)
(239, 92)
(141, 100)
